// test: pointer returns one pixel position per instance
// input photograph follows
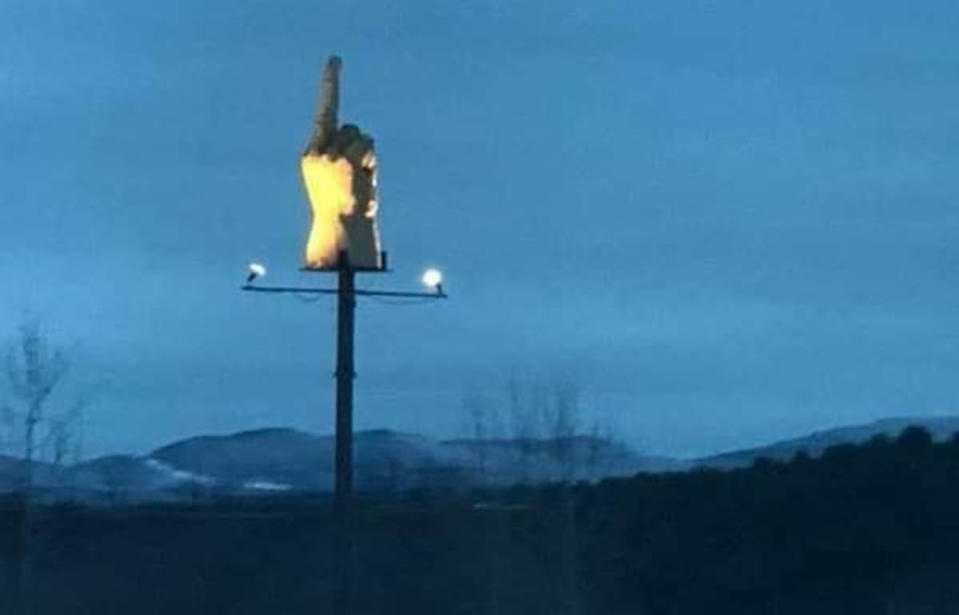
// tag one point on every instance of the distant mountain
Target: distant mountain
(941, 428)
(287, 459)
(387, 460)
(108, 478)
(581, 457)
(280, 459)
(125, 475)
(12, 473)
(284, 457)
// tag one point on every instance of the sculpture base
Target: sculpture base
(383, 268)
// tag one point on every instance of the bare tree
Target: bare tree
(63, 443)
(479, 418)
(562, 421)
(395, 470)
(7, 425)
(33, 368)
(545, 421)
(523, 424)
(482, 428)
(599, 448)
(61, 438)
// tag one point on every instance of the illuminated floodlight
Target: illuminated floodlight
(256, 270)
(433, 278)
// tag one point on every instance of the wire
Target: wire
(410, 301)
(307, 298)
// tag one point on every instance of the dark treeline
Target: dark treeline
(872, 528)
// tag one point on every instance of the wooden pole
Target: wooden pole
(343, 485)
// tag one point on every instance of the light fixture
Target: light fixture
(433, 278)
(256, 270)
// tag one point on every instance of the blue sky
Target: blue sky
(728, 222)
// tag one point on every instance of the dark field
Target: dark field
(869, 529)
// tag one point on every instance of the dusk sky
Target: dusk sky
(728, 222)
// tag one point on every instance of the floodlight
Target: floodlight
(256, 270)
(433, 278)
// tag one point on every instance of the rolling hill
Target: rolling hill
(282, 459)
